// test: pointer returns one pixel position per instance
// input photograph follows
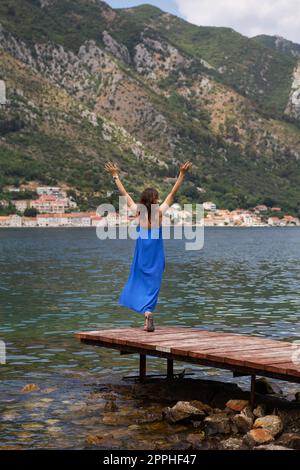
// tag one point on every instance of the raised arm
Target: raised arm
(170, 198)
(113, 169)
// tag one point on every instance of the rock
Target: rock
(30, 388)
(118, 50)
(108, 441)
(217, 424)
(271, 423)
(237, 405)
(243, 423)
(271, 447)
(259, 411)
(182, 411)
(290, 440)
(201, 406)
(232, 443)
(256, 437)
(110, 405)
(94, 440)
(265, 387)
(248, 412)
(195, 439)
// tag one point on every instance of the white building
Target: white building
(209, 206)
(50, 191)
(78, 219)
(52, 204)
(51, 220)
(274, 221)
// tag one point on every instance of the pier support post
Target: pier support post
(252, 395)
(170, 369)
(142, 367)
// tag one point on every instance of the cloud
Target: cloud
(249, 17)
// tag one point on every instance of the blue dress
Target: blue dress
(142, 288)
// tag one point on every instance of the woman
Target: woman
(142, 288)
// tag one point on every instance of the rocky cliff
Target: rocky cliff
(86, 83)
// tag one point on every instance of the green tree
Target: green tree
(31, 212)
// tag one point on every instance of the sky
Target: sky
(249, 17)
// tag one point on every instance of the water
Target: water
(57, 281)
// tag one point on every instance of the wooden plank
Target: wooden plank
(192, 341)
(222, 346)
(286, 368)
(131, 332)
(254, 355)
(137, 337)
(150, 342)
(251, 347)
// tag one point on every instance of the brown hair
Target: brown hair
(149, 196)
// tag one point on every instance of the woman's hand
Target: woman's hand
(169, 199)
(112, 168)
(185, 167)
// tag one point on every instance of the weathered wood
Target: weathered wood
(241, 354)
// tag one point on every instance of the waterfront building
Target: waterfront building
(209, 206)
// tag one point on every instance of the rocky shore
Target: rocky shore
(196, 414)
(161, 414)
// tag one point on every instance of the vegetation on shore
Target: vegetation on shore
(209, 95)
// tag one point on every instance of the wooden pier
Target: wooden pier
(241, 354)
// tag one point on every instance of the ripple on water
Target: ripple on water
(56, 282)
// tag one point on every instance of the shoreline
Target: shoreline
(189, 413)
(167, 226)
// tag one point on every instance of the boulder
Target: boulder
(232, 443)
(237, 405)
(30, 388)
(182, 411)
(265, 387)
(217, 424)
(242, 422)
(259, 411)
(248, 413)
(290, 440)
(271, 423)
(195, 439)
(256, 437)
(201, 406)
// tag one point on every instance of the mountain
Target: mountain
(87, 83)
(279, 43)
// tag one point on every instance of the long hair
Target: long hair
(149, 196)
